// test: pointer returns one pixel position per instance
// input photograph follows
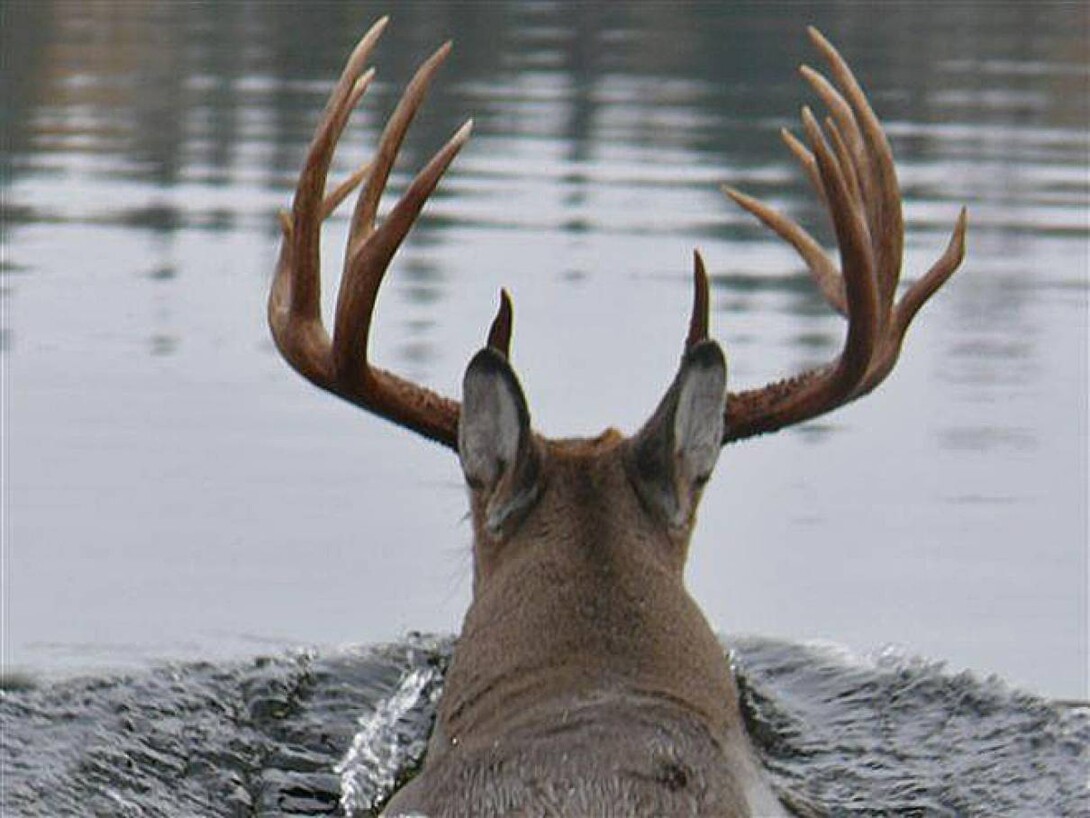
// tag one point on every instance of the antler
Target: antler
(855, 177)
(340, 365)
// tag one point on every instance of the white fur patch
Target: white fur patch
(698, 422)
(489, 429)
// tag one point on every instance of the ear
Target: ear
(673, 455)
(495, 445)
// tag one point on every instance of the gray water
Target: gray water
(335, 733)
(172, 491)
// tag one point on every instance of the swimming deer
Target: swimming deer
(586, 681)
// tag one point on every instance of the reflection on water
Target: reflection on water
(148, 146)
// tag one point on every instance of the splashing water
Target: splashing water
(388, 742)
(839, 734)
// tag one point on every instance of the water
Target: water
(317, 734)
(172, 491)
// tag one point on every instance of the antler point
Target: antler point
(960, 229)
(732, 192)
(817, 38)
(499, 334)
(464, 132)
(698, 321)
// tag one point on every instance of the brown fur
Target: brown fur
(585, 681)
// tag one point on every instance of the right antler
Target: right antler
(340, 365)
(855, 178)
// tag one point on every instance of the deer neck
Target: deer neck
(585, 602)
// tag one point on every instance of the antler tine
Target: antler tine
(294, 310)
(806, 161)
(821, 267)
(340, 365)
(846, 160)
(369, 260)
(824, 273)
(916, 296)
(878, 175)
(499, 334)
(368, 254)
(940, 272)
(363, 219)
(698, 321)
(857, 266)
(333, 200)
(340, 193)
(848, 129)
(856, 179)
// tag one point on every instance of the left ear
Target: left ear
(499, 459)
(672, 456)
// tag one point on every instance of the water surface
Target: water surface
(335, 733)
(173, 490)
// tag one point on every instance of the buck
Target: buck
(586, 681)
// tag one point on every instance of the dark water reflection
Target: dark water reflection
(173, 490)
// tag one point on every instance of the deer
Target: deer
(585, 679)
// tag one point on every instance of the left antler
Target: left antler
(850, 166)
(340, 365)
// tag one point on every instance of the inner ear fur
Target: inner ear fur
(673, 455)
(495, 444)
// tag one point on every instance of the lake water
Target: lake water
(332, 734)
(173, 491)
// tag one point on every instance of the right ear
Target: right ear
(673, 455)
(495, 444)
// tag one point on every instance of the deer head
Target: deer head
(580, 545)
